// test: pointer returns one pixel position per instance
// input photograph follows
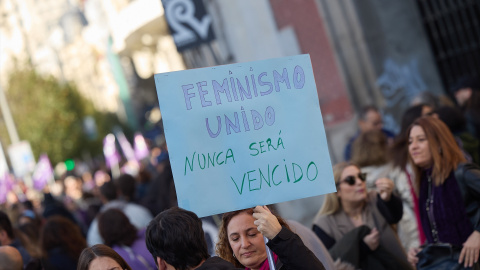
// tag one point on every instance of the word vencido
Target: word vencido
(273, 174)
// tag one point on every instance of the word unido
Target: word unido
(255, 178)
(209, 160)
(257, 121)
(261, 144)
(229, 87)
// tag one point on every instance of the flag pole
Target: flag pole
(271, 260)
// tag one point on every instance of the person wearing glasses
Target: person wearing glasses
(354, 224)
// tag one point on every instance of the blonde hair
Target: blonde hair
(446, 154)
(331, 203)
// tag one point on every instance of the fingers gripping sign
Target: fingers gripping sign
(267, 224)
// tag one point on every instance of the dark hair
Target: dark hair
(126, 186)
(108, 191)
(223, 248)
(473, 103)
(116, 229)
(452, 117)
(176, 236)
(365, 110)
(60, 232)
(91, 253)
(466, 82)
(6, 225)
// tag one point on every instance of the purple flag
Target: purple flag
(126, 147)
(6, 185)
(140, 146)
(110, 151)
(43, 172)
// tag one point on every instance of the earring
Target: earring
(234, 255)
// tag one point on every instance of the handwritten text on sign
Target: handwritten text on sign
(245, 134)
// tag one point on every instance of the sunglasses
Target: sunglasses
(351, 179)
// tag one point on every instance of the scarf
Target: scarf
(265, 265)
(448, 211)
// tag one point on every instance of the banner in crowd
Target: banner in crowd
(21, 158)
(6, 185)
(245, 134)
(140, 147)
(112, 157)
(126, 147)
(43, 173)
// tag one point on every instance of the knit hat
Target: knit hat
(466, 82)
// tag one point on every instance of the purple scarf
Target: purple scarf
(449, 212)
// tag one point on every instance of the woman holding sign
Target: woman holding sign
(241, 241)
(355, 224)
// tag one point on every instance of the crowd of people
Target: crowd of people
(404, 201)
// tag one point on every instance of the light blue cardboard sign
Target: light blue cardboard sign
(245, 134)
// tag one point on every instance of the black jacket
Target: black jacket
(292, 253)
(468, 179)
(217, 263)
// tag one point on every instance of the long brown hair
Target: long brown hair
(100, 250)
(116, 235)
(446, 154)
(223, 248)
(60, 232)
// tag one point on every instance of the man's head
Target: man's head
(370, 119)
(10, 258)
(6, 230)
(108, 192)
(126, 186)
(464, 88)
(176, 239)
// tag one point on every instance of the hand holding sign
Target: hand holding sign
(266, 222)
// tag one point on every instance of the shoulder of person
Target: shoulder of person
(327, 223)
(467, 171)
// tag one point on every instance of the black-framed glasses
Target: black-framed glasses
(351, 179)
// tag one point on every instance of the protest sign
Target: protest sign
(43, 173)
(21, 158)
(245, 134)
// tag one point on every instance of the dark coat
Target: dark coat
(468, 179)
(345, 241)
(292, 253)
(216, 263)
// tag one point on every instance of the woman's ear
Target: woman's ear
(339, 192)
(161, 264)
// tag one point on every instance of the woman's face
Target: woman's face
(104, 263)
(351, 193)
(419, 148)
(246, 241)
